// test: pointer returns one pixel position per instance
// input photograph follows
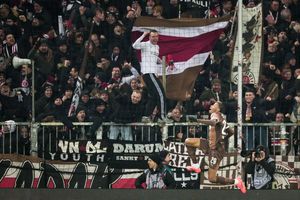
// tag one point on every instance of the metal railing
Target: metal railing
(27, 138)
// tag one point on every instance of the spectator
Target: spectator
(128, 109)
(215, 93)
(157, 12)
(85, 102)
(226, 8)
(40, 11)
(286, 19)
(272, 57)
(43, 57)
(155, 177)
(173, 9)
(268, 90)
(250, 3)
(13, 47)
(149, 7)
(44, 100)
(135, 84)
(118, 39)
(272, 13)
(80, 131)
(62, 64)
(279, 135)
(14, 104)
(77, 45)
(179, 133)
(99, 115)
(128, 73)
(117, 56)
(231, 105)
(165, 157)
(24, 140)
(115, 80)
(8, 137)
(286, 92)
(295, 114)
(57, 111)
(254, 111)
(149, 69)
(101, 25)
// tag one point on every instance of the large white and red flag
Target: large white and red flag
(186, 43)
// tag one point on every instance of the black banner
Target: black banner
(131, 154)
(79, 151)
(180, 160)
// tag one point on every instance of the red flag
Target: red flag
(186, 43)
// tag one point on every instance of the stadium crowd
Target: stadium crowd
(112, 88)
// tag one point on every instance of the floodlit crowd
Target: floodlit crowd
(89, 41)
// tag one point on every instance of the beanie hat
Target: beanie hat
(100, 102)
(156, 158)
(80, 108)
(163, 154)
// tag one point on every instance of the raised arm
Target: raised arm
(138, 43)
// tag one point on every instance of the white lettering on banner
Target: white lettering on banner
(185, 176)
(65, 145)
(181, 161)
(88, 157)
(203, 3)
(100, 158)
(126, 157)
(52, 155)
(179, 154)
(179, 147)
(149, 148)
(118, 148)
(73, 147)
(172, 147)
(137, 148)
(91, 148)
(64, 156)
(76, 157)
(128, 149)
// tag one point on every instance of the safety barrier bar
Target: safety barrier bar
(31, 138)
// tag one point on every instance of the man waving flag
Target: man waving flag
(186, 43)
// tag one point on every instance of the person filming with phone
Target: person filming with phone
(262, 169)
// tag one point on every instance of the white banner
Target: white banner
(252, 46)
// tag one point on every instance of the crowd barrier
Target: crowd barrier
(29, 138)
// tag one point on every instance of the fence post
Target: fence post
(34, 138)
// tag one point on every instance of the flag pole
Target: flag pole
(233, 20)
(240, 78)
(164, 79)
(179, 10)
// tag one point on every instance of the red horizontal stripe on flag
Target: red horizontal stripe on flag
(182, 48)
(125, 183)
